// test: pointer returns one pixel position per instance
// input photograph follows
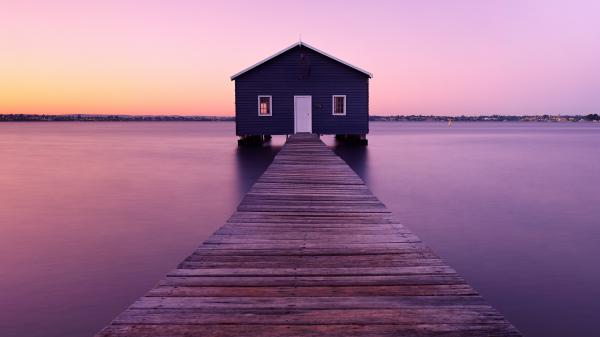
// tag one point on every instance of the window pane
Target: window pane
(338, 106)
(265, 106)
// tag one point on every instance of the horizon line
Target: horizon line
(233, 116)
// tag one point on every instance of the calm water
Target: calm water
(93, 214)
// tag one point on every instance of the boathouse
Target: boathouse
(301, 89)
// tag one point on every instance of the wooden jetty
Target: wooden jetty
(311, 251)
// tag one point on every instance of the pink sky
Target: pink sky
(175, 57)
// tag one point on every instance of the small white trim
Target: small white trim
(333, 105)
(310, 115)
(309, 47)
(270, 105)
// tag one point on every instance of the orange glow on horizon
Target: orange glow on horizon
(460, 57)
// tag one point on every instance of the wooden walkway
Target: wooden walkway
(311, 251)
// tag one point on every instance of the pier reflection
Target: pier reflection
(355, 156)
(251, 162)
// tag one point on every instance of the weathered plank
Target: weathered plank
(316, 291)
(491, 329)
(421, 315)
(311, 251)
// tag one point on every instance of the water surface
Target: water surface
(92, 215)
(513, 207)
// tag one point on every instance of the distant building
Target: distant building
(302, 89)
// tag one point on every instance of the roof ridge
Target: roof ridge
(296, 44)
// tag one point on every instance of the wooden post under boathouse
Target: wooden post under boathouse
(302, 89)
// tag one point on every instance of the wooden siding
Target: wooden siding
(285, 77)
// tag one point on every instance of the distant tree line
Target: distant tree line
(110, 118)
(488, 118)
(593, 117)
(409, 118)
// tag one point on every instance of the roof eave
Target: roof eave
(370, 75)
(233, 77)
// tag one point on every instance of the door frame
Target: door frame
(309, 116)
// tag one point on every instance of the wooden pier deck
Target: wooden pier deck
(311, 251)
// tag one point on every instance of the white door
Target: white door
(302, 114)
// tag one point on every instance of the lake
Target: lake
(92, 215)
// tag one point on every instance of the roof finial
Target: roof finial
(300, 38)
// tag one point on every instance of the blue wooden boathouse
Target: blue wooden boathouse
(302, 89)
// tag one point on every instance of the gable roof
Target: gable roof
(301, 44)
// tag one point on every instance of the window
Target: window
(339, 105)
(265, 106)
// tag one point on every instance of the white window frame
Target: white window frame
(333, 105)
(270, 105)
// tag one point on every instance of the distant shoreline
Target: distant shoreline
(393, 118)
(111, 118)
(488, 118)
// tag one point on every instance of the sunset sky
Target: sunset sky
(175, 57)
